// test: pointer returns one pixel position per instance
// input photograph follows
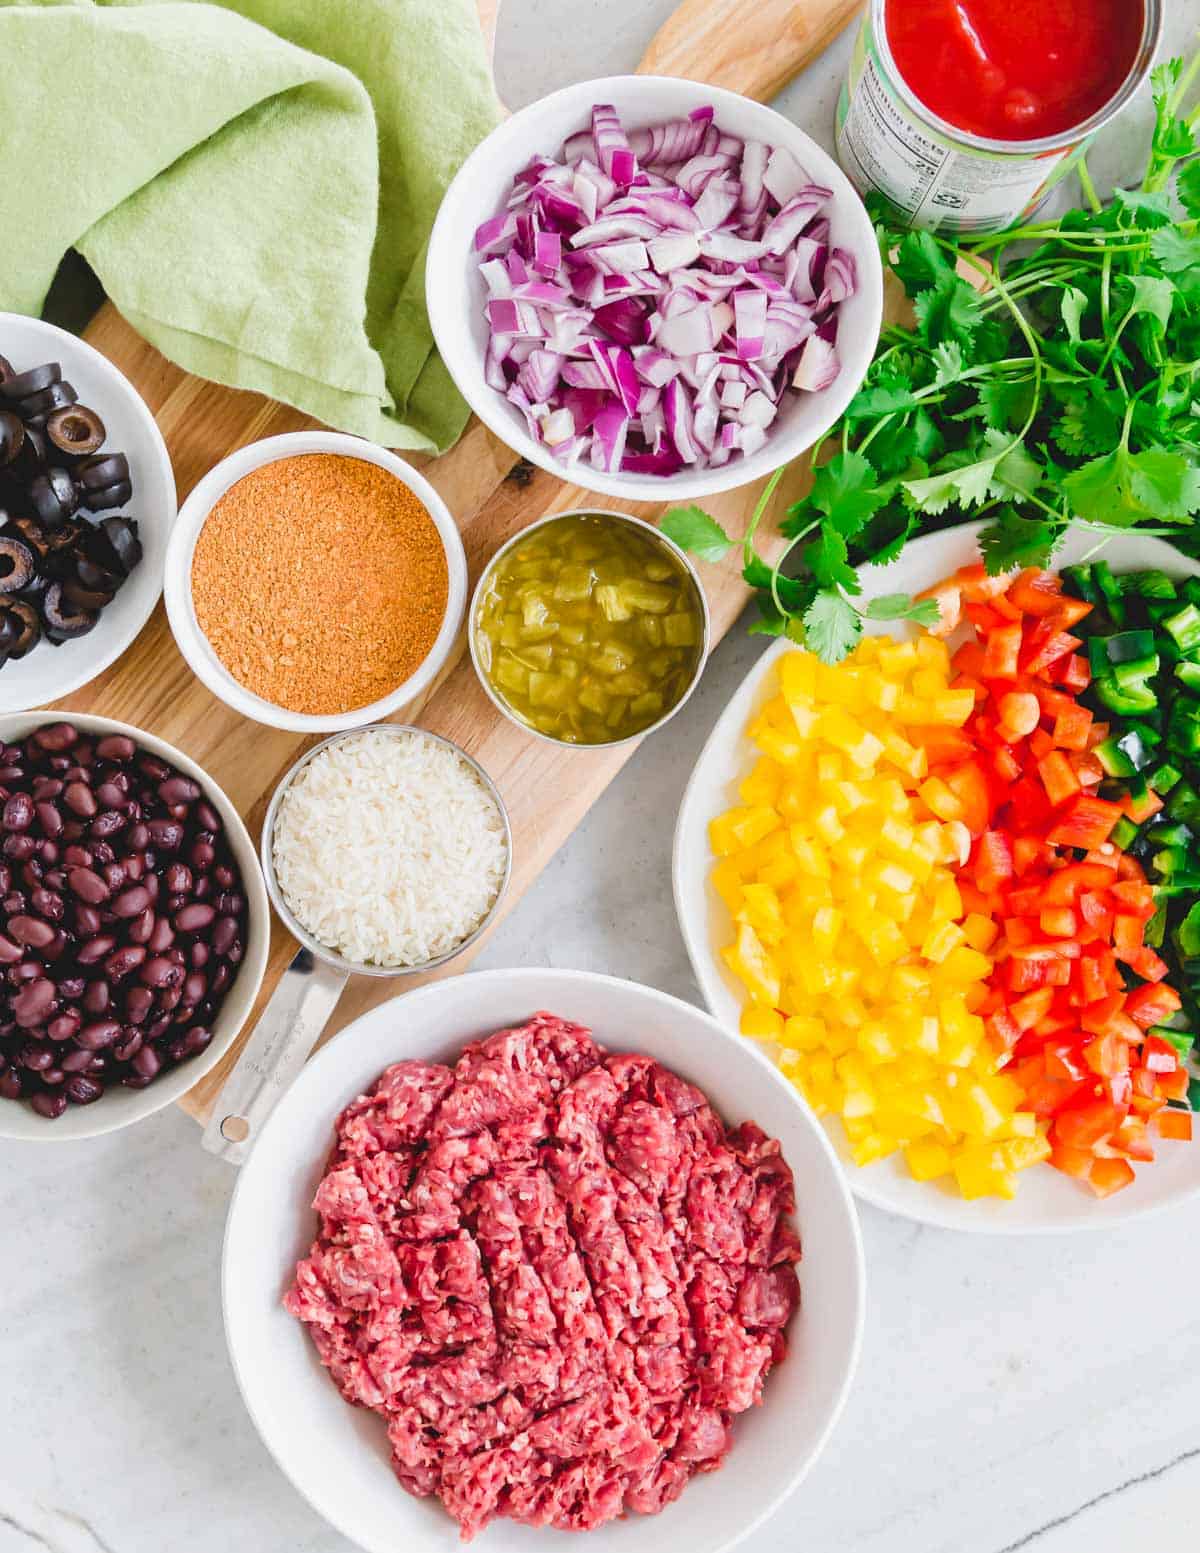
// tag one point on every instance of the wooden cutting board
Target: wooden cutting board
(751, 46)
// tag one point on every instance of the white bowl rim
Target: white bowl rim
(126, 632)
(89, 1121)
(669, 544)
(325, 1057)
(177, 588)
(444, 257)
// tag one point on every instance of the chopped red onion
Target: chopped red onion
(652, 296)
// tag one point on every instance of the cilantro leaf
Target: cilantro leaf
(948, 363)
(1176, 253)
(962, 478)
(694, 530)
(827, 559)
(1188, 189)
(1017, 471)
(1086, 426)
(1152, 295)
(886, 396)
(902, 606)
(949, 311)
(1011, 540)
(846, 491)
(831, 627)
(1124, 488)
(1073, 306)
(920, 263)
(794, 593)
(1004, 403)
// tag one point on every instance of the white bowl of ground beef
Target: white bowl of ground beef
(405, 1275)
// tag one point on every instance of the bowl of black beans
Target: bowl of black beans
(134, 925)
(87, 500)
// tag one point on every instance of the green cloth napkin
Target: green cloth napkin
(254, 183)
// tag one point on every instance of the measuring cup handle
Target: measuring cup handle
(285, 1034)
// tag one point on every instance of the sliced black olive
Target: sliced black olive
(75, 430)
(109, 496)
(92, 575)
(21, 384)
(16, 565)
(32, 456)
(10, 632)
(122, 535)
(30, 532)
(38, 406)
(54, 496)
(86, 598)
(6, 369)
(12, 435)
(35, 587)
(64, 620)
(31, 626)
(104, 469)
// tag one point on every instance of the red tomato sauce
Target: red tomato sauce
(1014, 69)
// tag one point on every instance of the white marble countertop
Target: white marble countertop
(1040, 1393)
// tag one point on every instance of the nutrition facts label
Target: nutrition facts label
(883, 146)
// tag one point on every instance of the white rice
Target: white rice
(389, 849)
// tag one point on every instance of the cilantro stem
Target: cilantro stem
(1088, 187)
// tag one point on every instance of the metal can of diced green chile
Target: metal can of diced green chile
(936, 175)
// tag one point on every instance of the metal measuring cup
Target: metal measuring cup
(307, 993)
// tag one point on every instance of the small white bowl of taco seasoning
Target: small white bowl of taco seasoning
(315, 582)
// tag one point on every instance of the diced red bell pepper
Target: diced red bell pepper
(1110, 1175)
(1148, 965)
(1174, 1124)
(1083, 1126)
(1058, 777)
(1085, 823)
(1001, 651)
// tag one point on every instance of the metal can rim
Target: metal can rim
(1065, 140)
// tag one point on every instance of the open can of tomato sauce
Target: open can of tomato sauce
(963, 113)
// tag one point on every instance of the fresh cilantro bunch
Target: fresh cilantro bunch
(1051, 377)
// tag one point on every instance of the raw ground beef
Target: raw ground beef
(553, 1273)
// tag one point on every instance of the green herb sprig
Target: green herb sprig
(1063, 388)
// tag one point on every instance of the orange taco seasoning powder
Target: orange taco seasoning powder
(320, 582)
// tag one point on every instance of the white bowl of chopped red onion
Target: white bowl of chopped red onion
(338, 1454)
(654, 288)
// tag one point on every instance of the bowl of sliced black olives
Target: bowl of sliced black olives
(87, 499)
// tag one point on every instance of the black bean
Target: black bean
(56, 737)
(35, 1003)
(203, 852)
(128, 1046)
(81, 1090)
(124, 960)
(161, 937)
(108, 824)
(116, 746)
(19, 847)
(88, 885)
(95, 949)
(131, 902)
(11, 1085)
(36, 1055)
(139, 837)
(75, 1061)
(193, 918)
(138, 1003)
(80, 799)
(142, 927)
(63, 1027)
(207, 816)
(18, 812)
(110, 795)
(161, 972)
(178, 878)
(147, 1062)
(224, 934)
(199, 954)
(47, 904)
(167, 834)
(49, 1104)
(100, 1033)
(31, 931)
(10, 953)
(87, 921)
(96, 997)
